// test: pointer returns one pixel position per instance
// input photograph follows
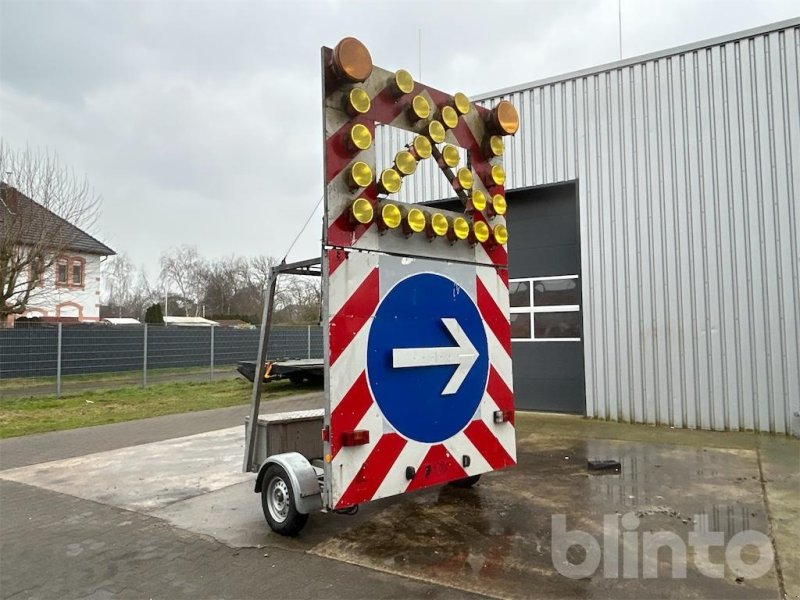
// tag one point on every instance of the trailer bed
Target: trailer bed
(301, 370)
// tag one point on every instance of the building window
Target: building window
(545, 309)
(77, 273)
(62, 272)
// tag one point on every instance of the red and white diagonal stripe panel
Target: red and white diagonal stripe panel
(378, 469)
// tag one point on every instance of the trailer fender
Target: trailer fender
(303, 479)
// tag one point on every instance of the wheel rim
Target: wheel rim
(278, 499)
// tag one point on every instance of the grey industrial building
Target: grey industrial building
(653, 244)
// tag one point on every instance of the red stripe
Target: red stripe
(488, 445)
(438, 466)
(349, 412)
(498, 390)
(341, 232)
(497, 254)
(337, 152)
(503, 274)
(493, 316)
(335, 258)
(353, 315)
(373, 471)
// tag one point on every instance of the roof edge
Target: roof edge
(715, 41)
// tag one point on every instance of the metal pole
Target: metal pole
(212, 350)
(308, 343)
(58, 364)
(144, 362)
(258, 375)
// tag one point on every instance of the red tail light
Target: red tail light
(503, 416)
(359, 437)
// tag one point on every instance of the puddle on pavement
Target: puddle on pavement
(496, 538)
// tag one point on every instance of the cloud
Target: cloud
(199, 122)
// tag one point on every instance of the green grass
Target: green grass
(24, 416)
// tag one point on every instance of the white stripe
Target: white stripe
(349, 366)
(347, 278)
(348, 460)
(459, 445)
(395, 481)
(504, 432)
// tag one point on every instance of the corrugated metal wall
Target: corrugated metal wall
(688, 169)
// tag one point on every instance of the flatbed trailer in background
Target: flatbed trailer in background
(302, 370)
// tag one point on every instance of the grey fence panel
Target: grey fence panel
(33, 351)
(28, 352)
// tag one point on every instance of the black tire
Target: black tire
(281, 513)
(467, 482)
(296, 379)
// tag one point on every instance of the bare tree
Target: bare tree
(31, 239)
(188, 271)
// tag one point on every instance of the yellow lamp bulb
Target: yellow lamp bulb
(436, 132)
(422, 146)
(390, 181)
(416, 220)
(359, 100)
(420, 107)
(390, 216)
(500, 234)
(360, 174)
(360, 136)
(499, 204)
(481, 231)
(361, 211)
(404, 81)
(405, 162)
(478, 200)
(449, 117)
(498, 175)
(460, 228)
(439, 224)
(464, 177)
(496, 145)
(450, 156)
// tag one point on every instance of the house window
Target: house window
(62, 272)
(545, 309)
(77, 273)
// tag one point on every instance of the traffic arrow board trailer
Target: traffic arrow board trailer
(418, 380)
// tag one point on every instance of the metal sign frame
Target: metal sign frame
(353, 253)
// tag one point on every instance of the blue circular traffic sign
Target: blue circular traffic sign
(427, 357)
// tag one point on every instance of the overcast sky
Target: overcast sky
(199, 122)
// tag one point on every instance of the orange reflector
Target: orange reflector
(359, 437)
(505, 118)
(351, 60)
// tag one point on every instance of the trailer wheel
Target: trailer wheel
(467, 482)
(277, 500)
